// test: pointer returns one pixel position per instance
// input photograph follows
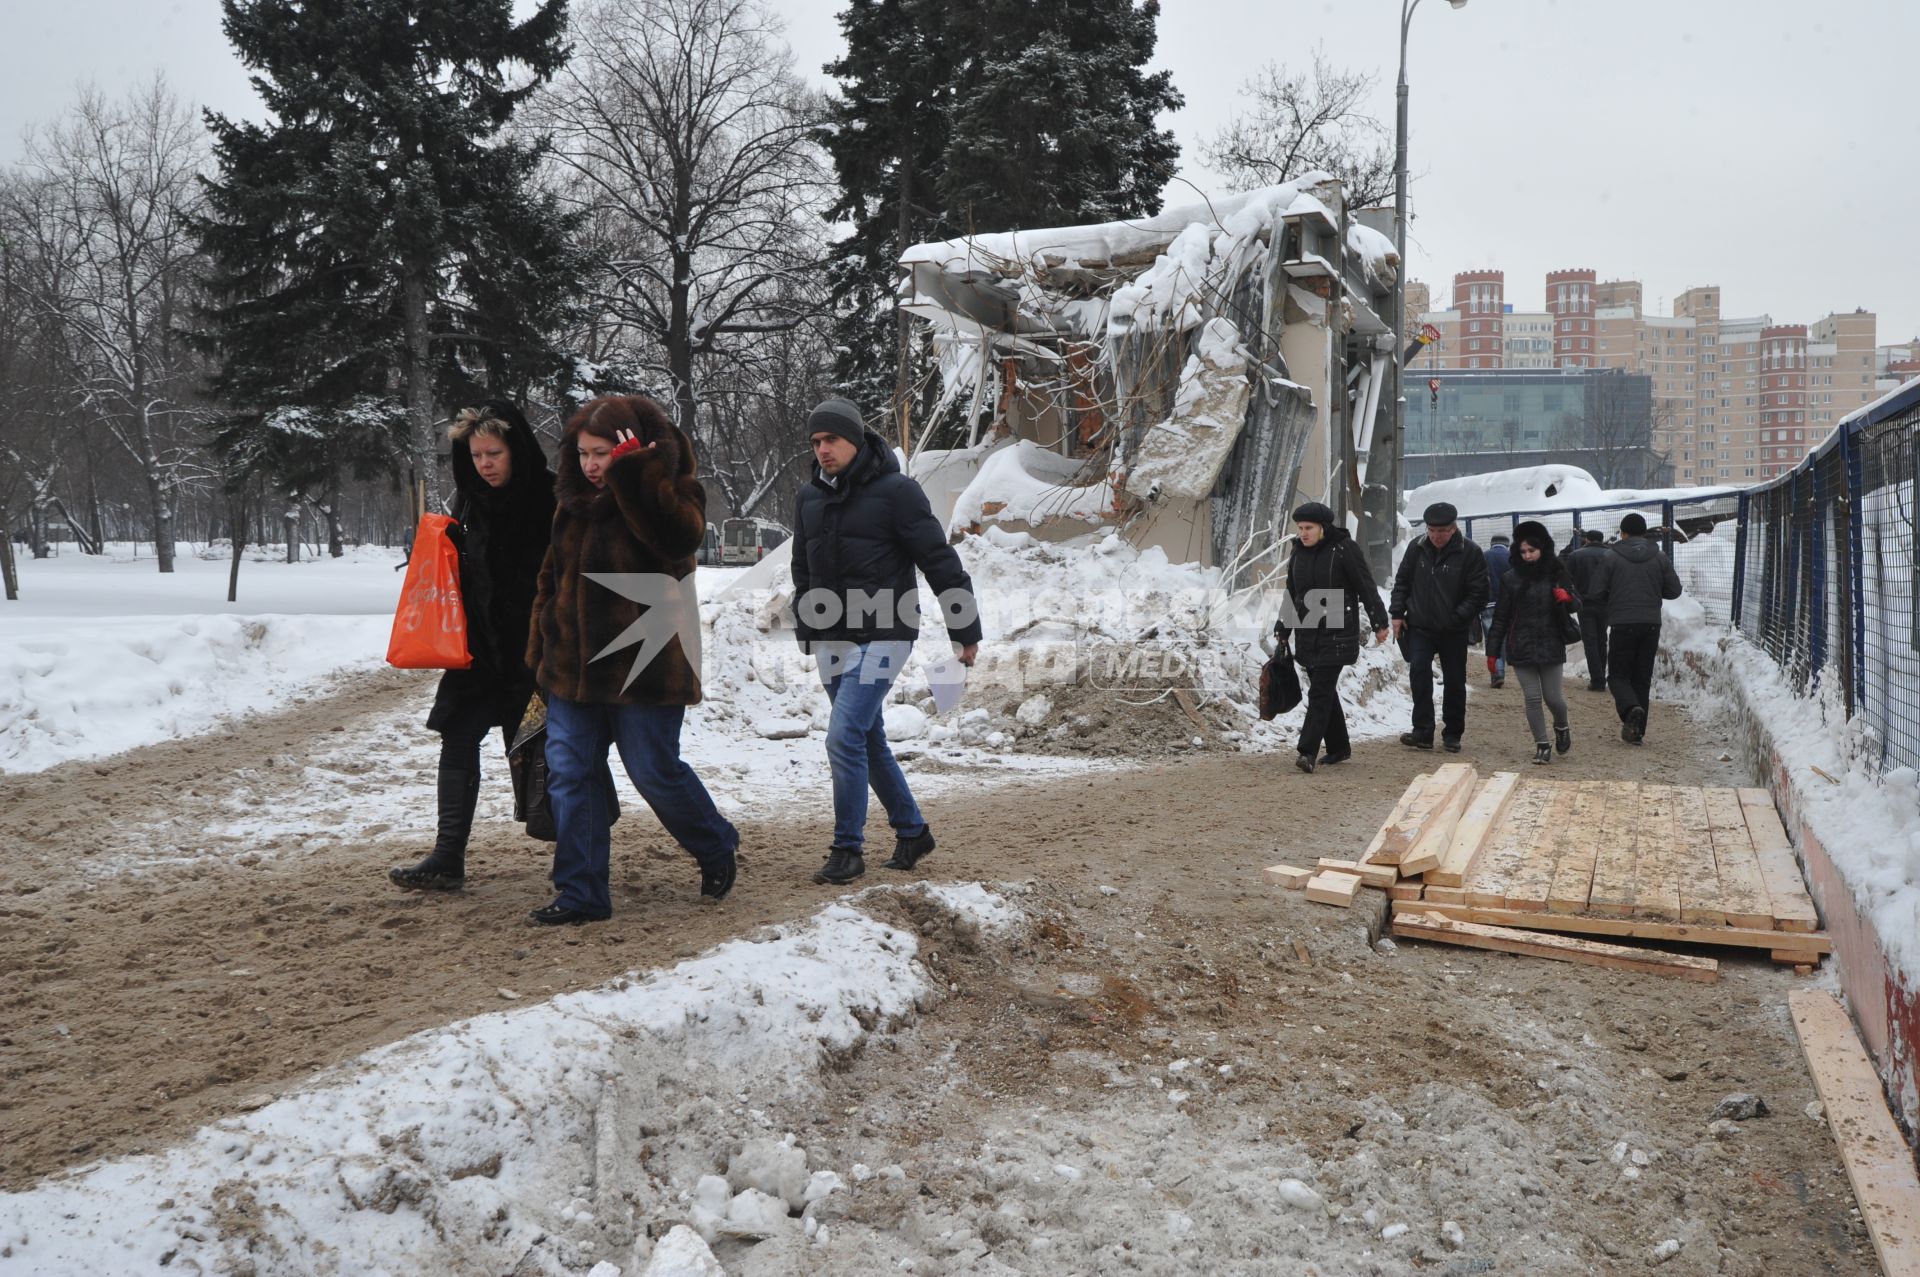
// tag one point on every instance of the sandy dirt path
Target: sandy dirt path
(141, 1004)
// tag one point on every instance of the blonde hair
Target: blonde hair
(475, 421)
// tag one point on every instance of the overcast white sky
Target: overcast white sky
(1766, 146)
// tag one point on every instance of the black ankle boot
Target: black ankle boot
(445, 867)
(908, 852)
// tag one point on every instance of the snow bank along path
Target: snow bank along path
(466, 1148)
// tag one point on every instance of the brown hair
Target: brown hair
(606, 416)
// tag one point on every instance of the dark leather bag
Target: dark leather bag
(527, 763)
(1279, 684)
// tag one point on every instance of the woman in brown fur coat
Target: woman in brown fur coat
(615, 646)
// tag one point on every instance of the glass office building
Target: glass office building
(1476, 421)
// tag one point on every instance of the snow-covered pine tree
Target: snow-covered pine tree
(953, 119)
(380, 237)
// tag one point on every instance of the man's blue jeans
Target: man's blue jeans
(648, 737)
(1499, 667)
(858, 677)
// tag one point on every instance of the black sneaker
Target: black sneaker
(1496, 681)
(1542, 755)
(1328, 760)
(908, 852)
(1416, 741)
(1562, 739)
(1635, 728)
(559, 915)
(1304, 762)
(716, 883)
(1450, 743)
(842, 867)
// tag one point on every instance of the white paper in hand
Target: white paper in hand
(946, 681)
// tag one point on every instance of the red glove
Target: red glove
(1493, 663)
(1560, 595)
(631, 445)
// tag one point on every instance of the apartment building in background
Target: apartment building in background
(1735, 399)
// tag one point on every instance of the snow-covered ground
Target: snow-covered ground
(104, 653)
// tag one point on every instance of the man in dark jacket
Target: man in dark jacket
(1583, 564)
(860, 528)
(1438, 591)
(1499, 559)
(1629, 585)
(1328, 583)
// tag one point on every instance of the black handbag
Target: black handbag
(1279, 684)
(527, 764)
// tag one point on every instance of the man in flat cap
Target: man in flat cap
(1438, 591)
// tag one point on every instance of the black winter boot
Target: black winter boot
(908, 852)
(445, 867)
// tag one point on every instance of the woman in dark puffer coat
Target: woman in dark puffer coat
(1328, 584)
(615, 646)
(503, 502)
(1535, 594)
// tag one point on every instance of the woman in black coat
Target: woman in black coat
(1328, 583)
(1536, 596)
(503, 503)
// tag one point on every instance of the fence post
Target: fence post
(1739, 560)
(1816, 578)
(1857, 580)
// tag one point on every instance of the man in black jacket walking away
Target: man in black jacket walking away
(860, 528)
(1583, 565)
(1628, 586)
(1438, 591)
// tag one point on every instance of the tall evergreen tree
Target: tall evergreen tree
(954, 119)
(380, 239)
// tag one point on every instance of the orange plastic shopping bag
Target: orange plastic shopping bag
(430, 625)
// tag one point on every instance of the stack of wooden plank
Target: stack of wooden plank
(1604, 858)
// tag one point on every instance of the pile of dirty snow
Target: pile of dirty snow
(538, 1140)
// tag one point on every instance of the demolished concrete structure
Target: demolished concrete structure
(1186, 378)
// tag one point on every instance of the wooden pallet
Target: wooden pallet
(1705, 865)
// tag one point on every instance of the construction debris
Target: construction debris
(1438, 927)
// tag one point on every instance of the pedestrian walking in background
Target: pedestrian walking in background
(1438, 591)
(1497, 563)
(630, 509)
(1328, 585)
(1582, 565)
(503, 510)
(1629, 585)
(860, 529)
(1532, 619)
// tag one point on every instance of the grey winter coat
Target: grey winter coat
(1630, 582)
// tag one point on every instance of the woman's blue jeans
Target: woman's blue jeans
(648, 738)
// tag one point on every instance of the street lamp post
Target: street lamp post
(1396, 473)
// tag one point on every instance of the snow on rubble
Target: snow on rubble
(1086, 641)
(536, 1140)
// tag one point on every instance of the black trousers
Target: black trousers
(1420, 647)
(462, 734)
(1632, 649)
(1325, 720)
(1593, 637)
